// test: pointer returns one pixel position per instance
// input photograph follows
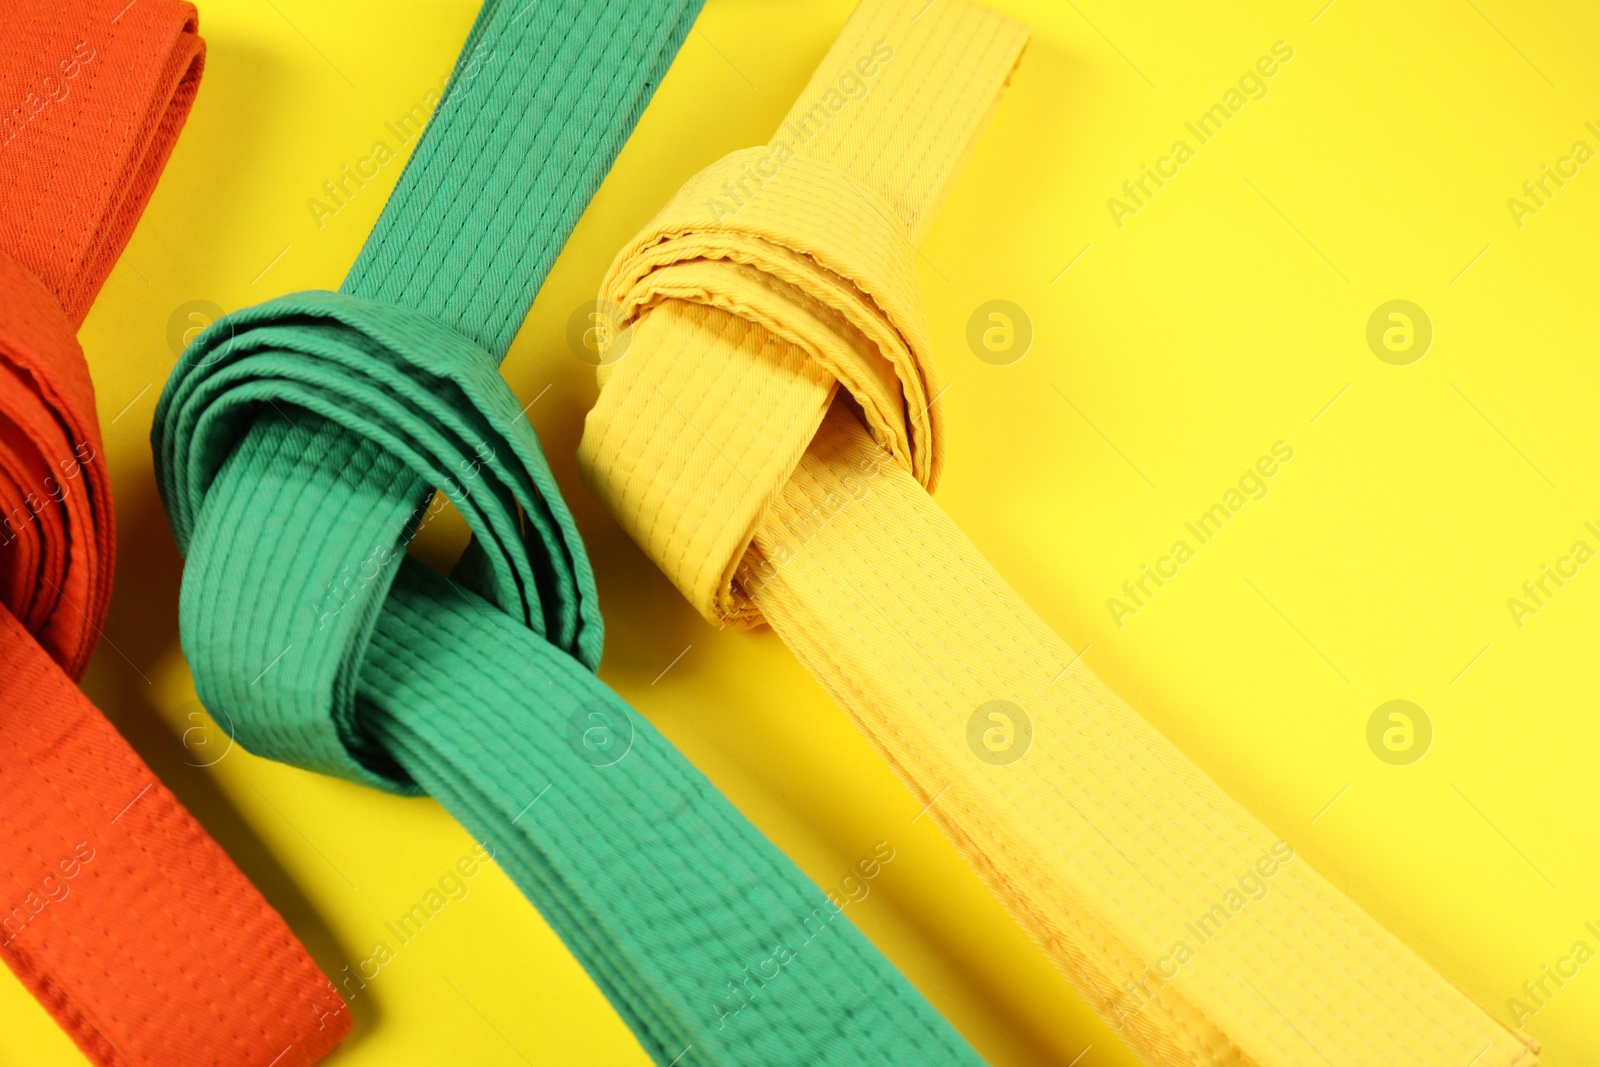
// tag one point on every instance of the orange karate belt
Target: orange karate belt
(117, 911)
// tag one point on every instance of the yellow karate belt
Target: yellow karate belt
(723, 443)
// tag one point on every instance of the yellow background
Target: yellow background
(1224, 316)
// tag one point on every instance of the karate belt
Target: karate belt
(298, 444)
(127, 922)
(771, 435)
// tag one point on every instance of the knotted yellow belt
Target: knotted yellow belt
(724, 444)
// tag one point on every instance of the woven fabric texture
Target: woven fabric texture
(117, 911)
(771, 438)
(298, 446)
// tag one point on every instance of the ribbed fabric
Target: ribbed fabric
(725, 445)
(118, 913)
(297, 446)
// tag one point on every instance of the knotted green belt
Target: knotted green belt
(297, 445)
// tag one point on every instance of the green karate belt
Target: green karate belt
(298, 444)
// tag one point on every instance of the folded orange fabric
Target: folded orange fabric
(126, 921)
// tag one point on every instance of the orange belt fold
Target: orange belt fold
(117, 911)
